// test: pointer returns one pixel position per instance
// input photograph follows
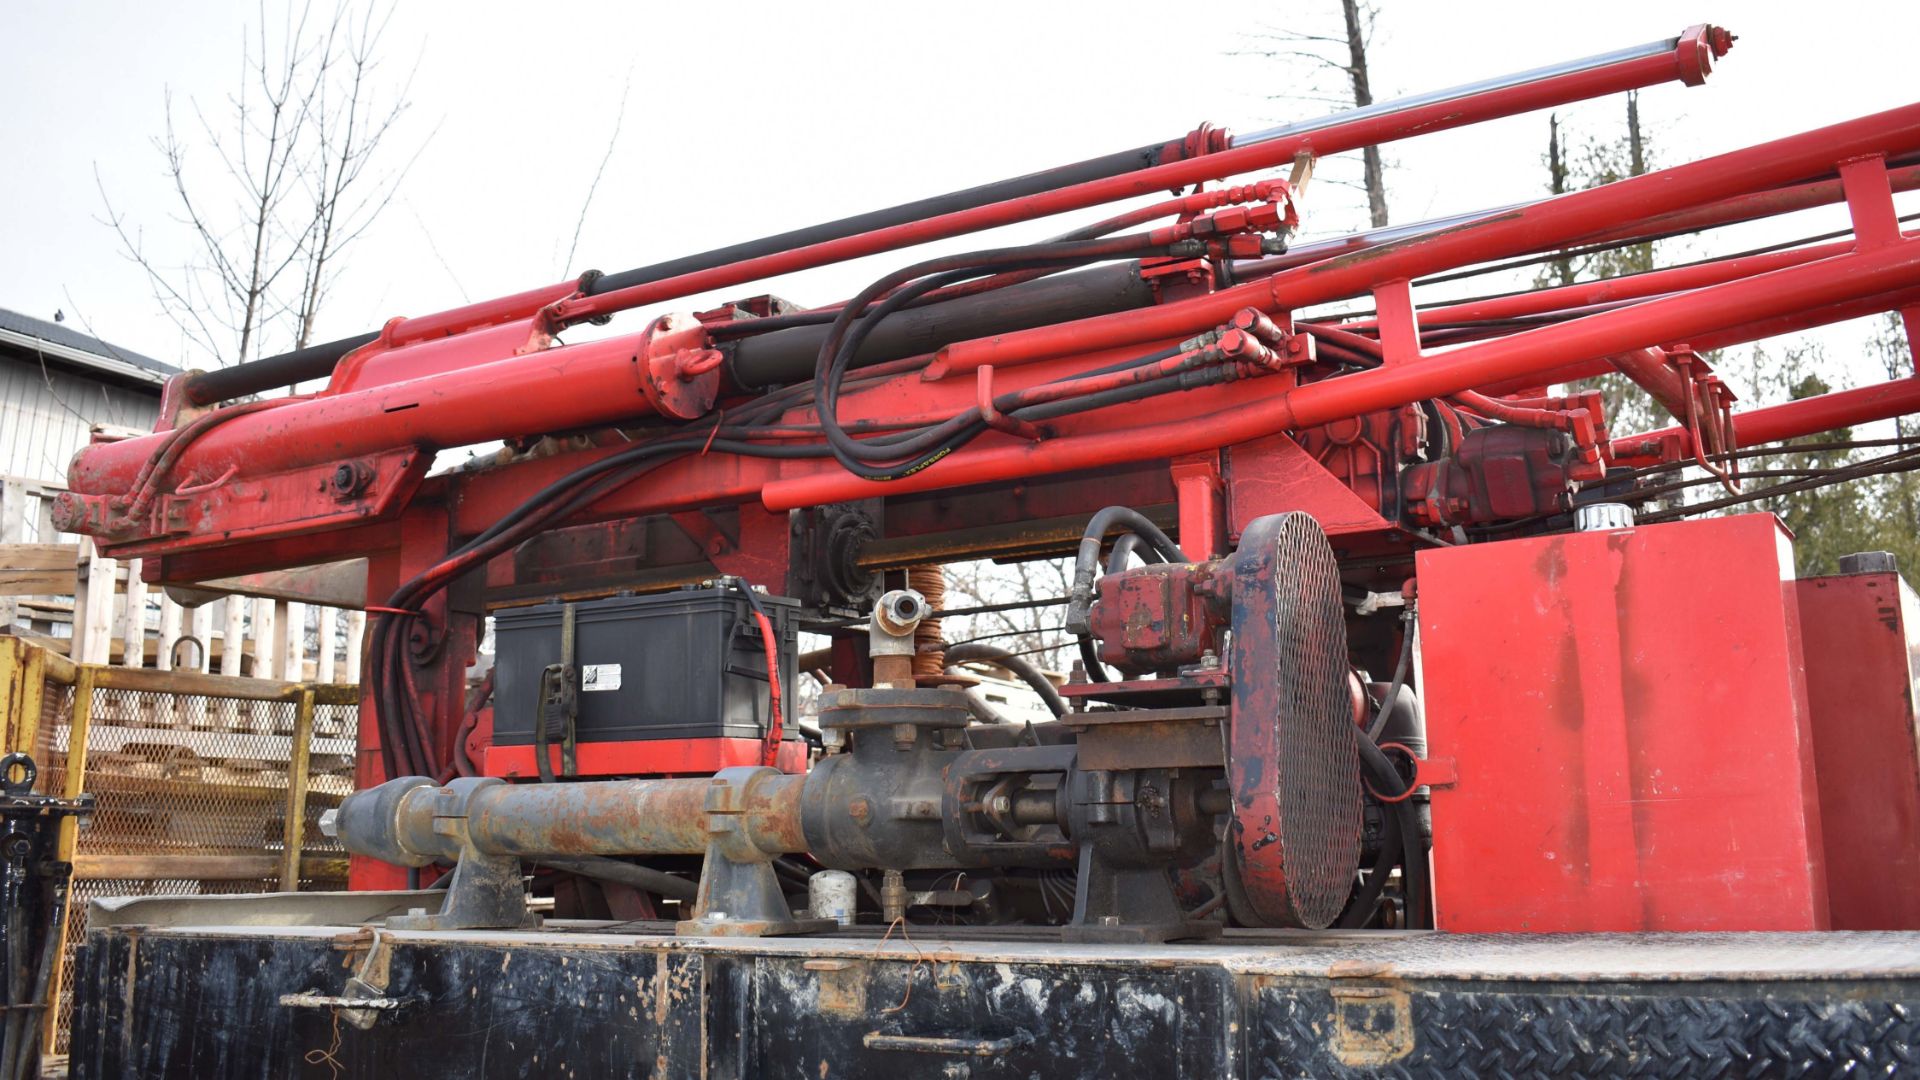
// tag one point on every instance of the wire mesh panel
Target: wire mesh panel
(193, 789)
(56, 709)
(194, 776)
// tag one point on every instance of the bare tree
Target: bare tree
(290, 185)
(1592, 163)
(586, 204)
(1034, 632)
(1562, 269)
(1359, 24)
(1340, 52)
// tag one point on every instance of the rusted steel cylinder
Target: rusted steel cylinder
(627, 817)
(622, 816)
(929, 648)
(407, 820)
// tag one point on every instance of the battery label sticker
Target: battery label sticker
(600, 677)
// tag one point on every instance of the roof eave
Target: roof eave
(107, 364)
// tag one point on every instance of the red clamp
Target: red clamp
(679, 370)
(999, 421)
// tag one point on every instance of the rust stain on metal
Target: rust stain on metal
(1371, 1025)
(842, 986)
(1358, 969)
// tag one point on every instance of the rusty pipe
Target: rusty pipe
(624, 817)
(412, 821)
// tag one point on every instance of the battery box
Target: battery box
(688, 664)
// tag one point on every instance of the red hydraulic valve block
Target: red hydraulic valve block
(1497, 474)
(1157, 617)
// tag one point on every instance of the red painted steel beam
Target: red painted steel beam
(1675, 318)
(1751, 207)
(1738, 209)
(574, 386)
(1688, 60)
(1790, 323)
(1539, 226)
(1796, 321)
(587, 385)
(1842, 408)
(1611, 290)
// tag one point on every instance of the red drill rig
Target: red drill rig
(1370, 638)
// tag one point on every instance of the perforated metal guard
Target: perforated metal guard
(1295, 771)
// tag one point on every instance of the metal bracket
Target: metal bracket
(739, 895)
(559, 700)
(1124, 893)
(487, 891)
(364, 998)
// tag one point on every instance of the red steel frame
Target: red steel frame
(343, 471)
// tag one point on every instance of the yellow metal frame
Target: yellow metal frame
(26, 670)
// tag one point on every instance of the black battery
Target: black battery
(689, 664)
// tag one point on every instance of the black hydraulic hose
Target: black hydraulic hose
(1389, 782)
(770, 352)
(1090, 658)
(851, 326)
(1379, 723)
(1019, 665)
(1360, 910)
(1414, 866)
(1125, 548)
(644, 878)
(318, 361)
(883, 447)
(1086, 562)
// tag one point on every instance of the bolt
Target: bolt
(1209, 661)
(1109, 920)
(1001, 805)
(347, 480)
(330, 823)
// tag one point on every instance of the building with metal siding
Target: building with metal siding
(57, 384)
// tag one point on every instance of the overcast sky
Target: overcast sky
(743, 120)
